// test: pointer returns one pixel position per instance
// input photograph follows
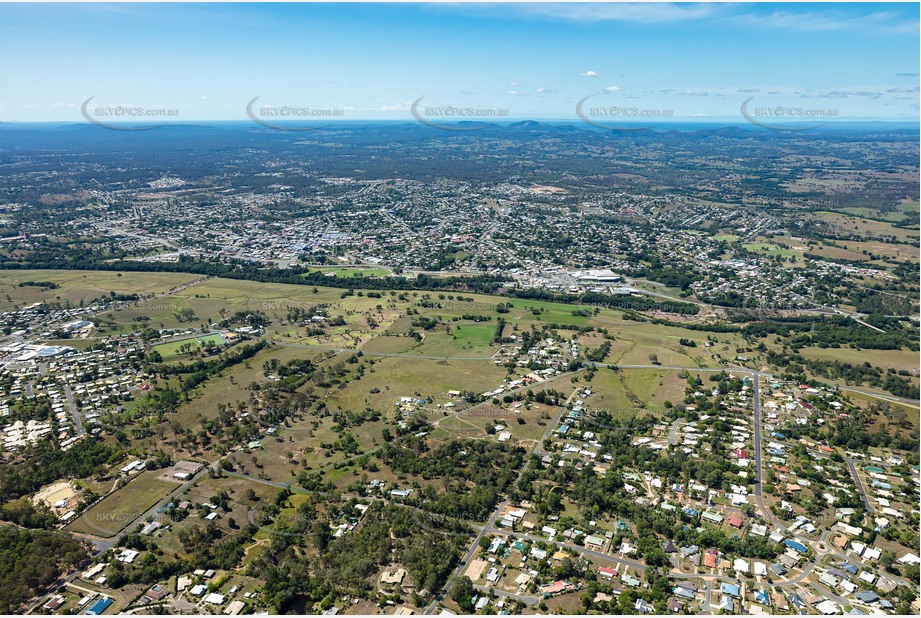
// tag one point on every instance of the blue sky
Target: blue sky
(530, 60)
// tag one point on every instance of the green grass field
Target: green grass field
(171, 351)
(122, 507)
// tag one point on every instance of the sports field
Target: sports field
(122, 507)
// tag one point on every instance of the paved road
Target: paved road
(860, 488)
(78, 422)
(759, 463)
(673, 433)
(756, 436)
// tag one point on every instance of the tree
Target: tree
(462, 592)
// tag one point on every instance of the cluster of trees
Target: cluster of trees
(64, 255)
(864, 373)
(834, 332)
(428, 547)
(50, 285)
(32, 560)
(473, 473)
(597, 355)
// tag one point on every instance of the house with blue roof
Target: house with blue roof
(850, 568)
(99, 606)
(730, 589)
(761, 596)
(794, 545)
(779, 569)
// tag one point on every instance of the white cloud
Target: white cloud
(512, 93)
(829, 21)
(638, 12)
(824, 19)
(588, 74)
(841, 94)
(612, 89)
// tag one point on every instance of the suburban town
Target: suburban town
(418, 309)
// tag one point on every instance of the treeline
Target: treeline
(52, 259)
(234, 269)
(622, 302)
(835, 332)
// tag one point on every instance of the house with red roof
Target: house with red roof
(607, 572)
